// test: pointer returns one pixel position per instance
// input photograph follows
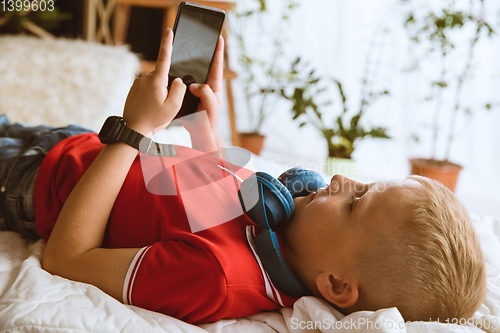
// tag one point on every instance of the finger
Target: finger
(205, 93)
(163, 62)
(193, 88)
(214, 79)
(176, 95)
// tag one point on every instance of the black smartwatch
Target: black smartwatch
(115, 129)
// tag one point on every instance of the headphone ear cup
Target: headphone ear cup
(277, 199)
(301, 182)
(283, 196)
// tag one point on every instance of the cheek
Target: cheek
(328, 224)
(306, 225)
(299, 230)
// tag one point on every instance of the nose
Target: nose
(342, 184)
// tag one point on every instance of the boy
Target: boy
(359, 246)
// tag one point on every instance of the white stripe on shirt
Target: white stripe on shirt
(128, 284)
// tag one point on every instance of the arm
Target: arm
(204, 129)
(207, 139)
(74, 247)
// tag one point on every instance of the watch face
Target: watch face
(111, 129)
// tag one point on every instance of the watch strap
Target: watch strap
(115, 129)
(144, 144)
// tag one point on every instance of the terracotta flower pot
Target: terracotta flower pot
(442, 171)
(252, 142)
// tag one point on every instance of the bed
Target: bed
(32, 300)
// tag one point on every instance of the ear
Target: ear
(339, 291)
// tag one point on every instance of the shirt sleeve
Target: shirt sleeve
(178, 279)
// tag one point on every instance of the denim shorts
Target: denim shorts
(22, 150)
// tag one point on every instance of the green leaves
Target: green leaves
(263, 5)
(409, 20)
(449, 19)
(438, 29)
(355, 120)
(379, 132)
(264, 74)
(310, 108)
(491, 31)
(441, 84)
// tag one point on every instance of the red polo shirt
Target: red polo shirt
(196, 262)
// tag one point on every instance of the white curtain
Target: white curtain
(336, 37)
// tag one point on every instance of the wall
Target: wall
(336, 37)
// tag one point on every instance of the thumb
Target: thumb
(176, 94)
(205, 94)
(195, 89)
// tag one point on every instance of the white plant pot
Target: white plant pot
(343, 166)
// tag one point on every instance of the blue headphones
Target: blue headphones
(269, 203)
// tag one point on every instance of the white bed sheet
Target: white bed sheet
(32, 300)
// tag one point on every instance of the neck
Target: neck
(289, 257)
(297, 268)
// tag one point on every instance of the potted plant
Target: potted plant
(264, 64)
(436, 30)
(344, 131)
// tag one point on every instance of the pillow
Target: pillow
(61, 81)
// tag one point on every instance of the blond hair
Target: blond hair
(431, 265)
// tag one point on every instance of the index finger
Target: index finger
(163, 63)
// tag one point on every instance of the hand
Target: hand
(210, 94)
(149, 105)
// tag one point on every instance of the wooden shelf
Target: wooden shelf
(225, 5)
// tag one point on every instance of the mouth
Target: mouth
(306, 199)
(324, 189)
(311, 196)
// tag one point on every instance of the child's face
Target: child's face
(342, 221)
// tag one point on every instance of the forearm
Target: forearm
(88, 207)
(80, 227)
(219, 140)
(207, 140)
